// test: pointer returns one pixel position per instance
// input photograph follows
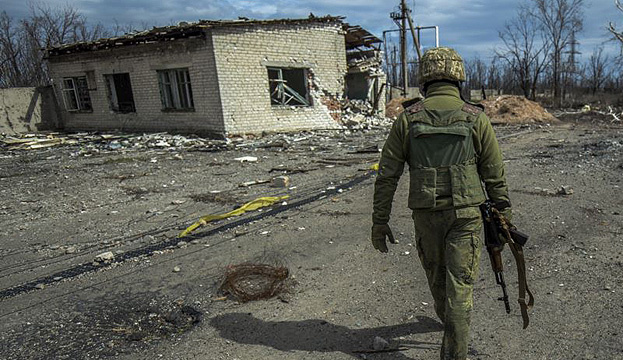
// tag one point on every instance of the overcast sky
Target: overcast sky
(469, 26)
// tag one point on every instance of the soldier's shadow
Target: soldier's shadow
(320, 335)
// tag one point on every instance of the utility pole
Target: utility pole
(400, 18)
(570, 69)
(403, 48)
(572, 59)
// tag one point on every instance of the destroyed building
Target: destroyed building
(226, 77)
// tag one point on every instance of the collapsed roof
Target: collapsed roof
(355, 36)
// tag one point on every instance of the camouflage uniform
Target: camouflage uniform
(451, 150)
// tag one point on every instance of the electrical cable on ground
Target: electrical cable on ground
(148, 250)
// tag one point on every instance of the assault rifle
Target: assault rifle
(499, 232)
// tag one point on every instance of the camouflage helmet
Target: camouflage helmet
(441, 63)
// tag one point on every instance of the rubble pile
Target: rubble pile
(95, 142)
(355, 106)
(352, 115)
(90, 144)
(358, 114)
(513, 109)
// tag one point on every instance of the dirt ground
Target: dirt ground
(158, 297)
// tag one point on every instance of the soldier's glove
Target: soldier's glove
(379, 232)
(507, 214)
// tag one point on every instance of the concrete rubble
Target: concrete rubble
(355, 116)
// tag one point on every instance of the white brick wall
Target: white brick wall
(229, 78)
(242, 55)
(141, 62)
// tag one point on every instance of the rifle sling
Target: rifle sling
(517, 251)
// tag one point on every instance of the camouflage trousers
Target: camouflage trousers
(449, 246)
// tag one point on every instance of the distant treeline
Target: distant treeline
(539, 57)
(22, 41)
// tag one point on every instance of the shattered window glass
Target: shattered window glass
(175, 89)
(76, 94)
(288, 87)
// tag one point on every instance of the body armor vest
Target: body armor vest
(442, 160)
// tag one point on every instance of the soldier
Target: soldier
(451, 150)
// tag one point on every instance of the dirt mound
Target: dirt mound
(394, 107)
(513, 109)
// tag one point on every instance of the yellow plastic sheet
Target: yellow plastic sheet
(250, 206)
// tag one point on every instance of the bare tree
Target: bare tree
(476, 73)
(559, 19)
(596, 70)
(10, 52)
(618, 35)
(494, 75)
(21, 43)
(525, 50)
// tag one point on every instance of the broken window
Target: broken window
(175, 90)
(76, 94)
(120, 93)
(288, 86)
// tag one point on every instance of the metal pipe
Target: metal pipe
(436, 36)
(387, 81)
(430, 27)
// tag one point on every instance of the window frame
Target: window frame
(175, 90)
(283, 95)
(113, 98)
(79, 88)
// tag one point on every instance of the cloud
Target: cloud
(472, 27)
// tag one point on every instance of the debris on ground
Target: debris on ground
(370, 149)
(95, 142)
(592, 114)
(280, 182)
(515, 109)
(246, 159)
(250, 206)
(564, 190)
(255, 281)
(105, 257)
(253, 182)
(86, 202)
